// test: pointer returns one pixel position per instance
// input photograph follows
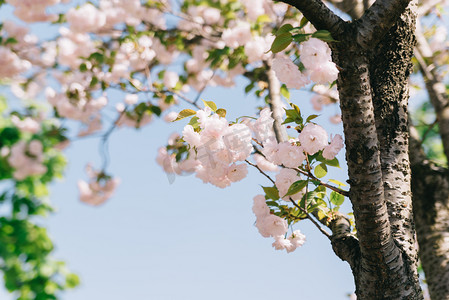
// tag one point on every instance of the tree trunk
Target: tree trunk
(374, 55)
(431, 210)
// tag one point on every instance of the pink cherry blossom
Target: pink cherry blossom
(313, 138)
(264, 164)
(271, 225)
(284, 180)
(281, 243)
(334, 147)
(291, 155)
(260, 208)
(288, 73)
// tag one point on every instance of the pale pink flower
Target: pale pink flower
(314, 52)
(256, 49)
(167, 161)
(313, 138)
(96, 193)
(237, 172)
(317, 102)
(237, 139)
(131, 99)
(264, 164)
(211, 15)
(271, 151)
(271, 225)
(297, 239)
(170, 79)
(335, 119)
(291, 155)
(237, 36)
(191, 137)
(170, 117)
(254, 8)
(11, 64)
(27, 125)
(324, 73)
(93, 125)
(260, 208)
(35, 147)
(284, 180)
(288, 73)
(263, 126)
(281, 243)
(333, 148)
(87, 18)
(24, 164)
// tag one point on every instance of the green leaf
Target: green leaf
(284, 28)
(288, 120)
(323, 35)
(320, 170)
(271, 192)
(301, 37)
(11, 40)
(281, 42)
(306, 199)
(336, 198)
(333, 162)
(221, 112)
(99, 57)
(311, 117)
(296, 187)
(296, 108)
(211, 105)
(321, 215)
(263, 19)
(72, 280)
(303, 22)
(272, 203)
(194, 122)
(337, 182)
(285, 92)
(249, 87)
(291, 113)
(156, 110)
(184, 114)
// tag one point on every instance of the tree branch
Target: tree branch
(319, 15)
(354, 8)
(344, 243)
(378, 20)
(435, 89)
(275, 103)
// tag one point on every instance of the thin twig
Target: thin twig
(260, 170)
(311, 219)
(335, 189)
(429, 129)
(200, 92)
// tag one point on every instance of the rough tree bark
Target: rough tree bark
(430, 183)
(374, 55)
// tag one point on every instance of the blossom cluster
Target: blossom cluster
(218, 149)
(315, 56)
(270, 225)
(99, 188)
(26, 158)
(34, 10)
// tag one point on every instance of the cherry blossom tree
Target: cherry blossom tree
(159, 57)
